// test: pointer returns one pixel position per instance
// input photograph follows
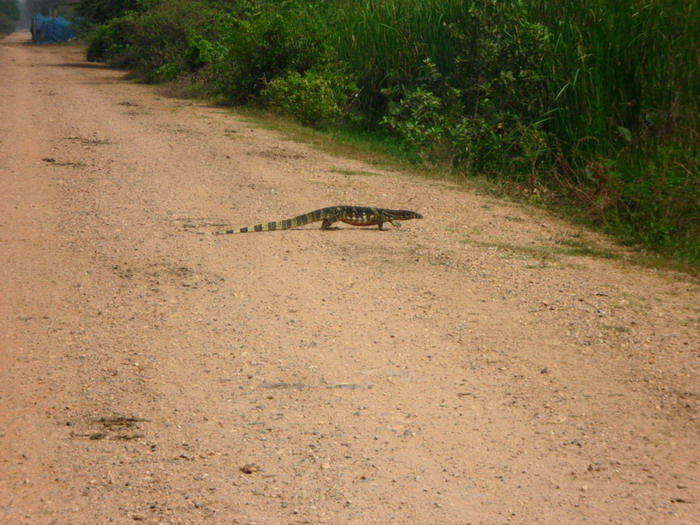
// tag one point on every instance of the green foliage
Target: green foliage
(596, 101)
(385, 42)
(614, 63)
(111, 41)
(48, 7)
(428, 117)
(103, 10)
(9, 14)
(487, 115)
(200, 52)
(10, 9)
(314, 98)
(421, 120)
(159, 44)
(499, 52)
(658, 201)
(270, 41)
(7, 24)
(623, 86)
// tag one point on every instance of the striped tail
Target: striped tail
(299, 220)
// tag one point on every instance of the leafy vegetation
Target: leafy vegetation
(9, 14)
(314, 98)
(101, 11)
(623, 82)
(29, 8)
(157, 43)
(590, 104)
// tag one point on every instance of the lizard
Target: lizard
(355, 215)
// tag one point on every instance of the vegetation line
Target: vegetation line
(591, 105)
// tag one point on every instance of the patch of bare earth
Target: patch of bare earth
(478, 366)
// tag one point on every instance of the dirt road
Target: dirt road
(483, 365)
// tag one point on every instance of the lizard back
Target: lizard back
(353, 215)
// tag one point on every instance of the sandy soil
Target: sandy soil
(472, 367)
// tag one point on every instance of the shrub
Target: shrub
(101, 11)
(478, 129)
(659, 205)
(314, 98)
(7, 24)
(427, 120)
(155, 44)
(385, 42)
(9, 14)
(273, 40)
(111, 41)
(622, 83)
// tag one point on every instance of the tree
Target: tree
(47, 7)
(10, 8)
(103, 10)
(9, 14)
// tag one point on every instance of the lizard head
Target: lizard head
(404, 215)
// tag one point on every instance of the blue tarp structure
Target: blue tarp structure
(49, 30)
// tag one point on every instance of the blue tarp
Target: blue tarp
(48, 30)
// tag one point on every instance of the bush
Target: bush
(7, 24)
(157, 44)
(659, 204)
(9, 14)
(385, 42)
(111, 42)
(598, 101)
(314, 98)
(273, 40)
(623, 87)
(101, 11)
(441, 131)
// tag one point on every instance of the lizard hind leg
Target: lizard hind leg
(326, 224)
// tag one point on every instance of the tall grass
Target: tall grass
(385, 42)
(620, 65)
(597, 99)
(621, 105)
(624, 85)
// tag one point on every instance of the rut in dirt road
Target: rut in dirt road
(488, 364)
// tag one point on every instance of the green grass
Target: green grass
(386, 153)
(384, 42)
(597, 102)
(353, 173)
(626, 115)
(379, 149)
(619, 64)
(622, 100)
(544, 252)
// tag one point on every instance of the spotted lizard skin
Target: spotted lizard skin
(355, 215)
